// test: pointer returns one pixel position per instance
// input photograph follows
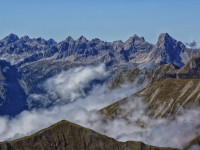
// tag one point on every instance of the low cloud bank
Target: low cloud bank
(81, 108)
(68, 86)
(84, 111)
(158, 132)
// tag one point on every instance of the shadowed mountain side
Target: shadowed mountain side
(14, 100)
(65, 135)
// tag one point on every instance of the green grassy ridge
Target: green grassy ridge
(168, 91)
(66, 135)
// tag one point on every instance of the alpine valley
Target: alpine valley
(96, 95)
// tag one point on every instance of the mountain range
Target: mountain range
(35, 60)
(23, 50)
(169, 69)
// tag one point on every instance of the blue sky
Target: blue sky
(108, 20)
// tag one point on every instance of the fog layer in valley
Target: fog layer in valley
(81, 106)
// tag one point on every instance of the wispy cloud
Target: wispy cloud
(69, 85)
(84, 111)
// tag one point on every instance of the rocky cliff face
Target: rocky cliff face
(169, 50)
(67, 136)
(26, 50)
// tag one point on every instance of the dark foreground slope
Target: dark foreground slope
(65, 135)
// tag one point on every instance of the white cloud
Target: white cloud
(83, 111)
(69, 85)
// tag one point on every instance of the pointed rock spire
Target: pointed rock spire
(41, 40)
(82, 39)
(69, 39)
(168, 50)
(24, 38)
(134, 38)
(10, 39)
(51, 41)
(133, 41)
(165, 38)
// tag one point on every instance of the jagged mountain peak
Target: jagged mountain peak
(82, 39)
(164, 35)
(135, 43)
(24, 38)
(10, 39)
(51, 41)
(135, 38)
(167, 50)
(12, 35)
(165, 38)
(135, 49)
(41, 40)
(118, 43)
(97, 40)
(69, 39)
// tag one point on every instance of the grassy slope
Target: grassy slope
(164, 98)
(65, 135)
